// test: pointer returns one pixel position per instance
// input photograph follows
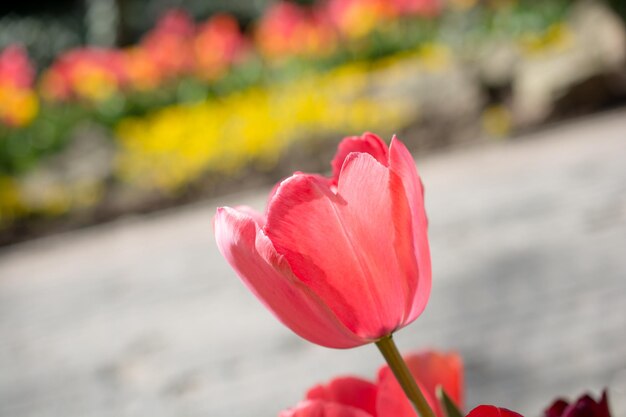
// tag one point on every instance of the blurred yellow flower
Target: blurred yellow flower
(18, 107)
(435, 56)
(556, 38)
(462, 5)
(94, 84)
(11, 206)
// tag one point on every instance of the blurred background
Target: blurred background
(124, 123)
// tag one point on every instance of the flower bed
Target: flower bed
(103, 131)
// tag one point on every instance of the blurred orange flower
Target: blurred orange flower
(356, 18)
(218, 45)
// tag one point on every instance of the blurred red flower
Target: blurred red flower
(16, 70)
(169, 45)
(287, 29)
(423, 8)
(356, 397)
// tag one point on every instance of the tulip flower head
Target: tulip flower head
(585, 406)
(342, 261)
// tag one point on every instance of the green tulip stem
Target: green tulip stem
(391, 354)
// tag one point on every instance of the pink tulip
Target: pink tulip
(342, 261)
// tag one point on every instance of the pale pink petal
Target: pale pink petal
(401, 162)
(352, 391)
(267, 275)
(430, 370)
(347, 247)
(492, 411)
(366, 143)
(316, 408)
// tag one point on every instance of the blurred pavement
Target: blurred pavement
(142, 317)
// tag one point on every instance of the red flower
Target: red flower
(342, 261)
(430, 369)
(356, 397)
(492, 411)
(585, 406)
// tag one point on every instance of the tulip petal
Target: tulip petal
(267, 275)
(355, 392)
(585, 406)
(430, 370)
(366, 143)
(348, 247)
(492, 411)
(255, 215)
(556, 409)
(401, 162)
(275, 188)
(318, 408)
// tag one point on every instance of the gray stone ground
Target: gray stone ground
(142, 317)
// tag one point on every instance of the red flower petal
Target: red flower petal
(492, 411)
(355, 392)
